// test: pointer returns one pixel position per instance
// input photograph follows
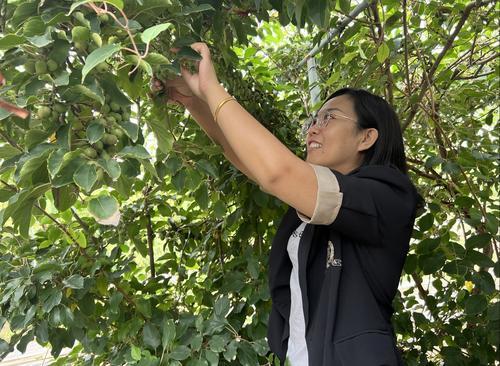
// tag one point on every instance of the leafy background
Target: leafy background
(128, 238)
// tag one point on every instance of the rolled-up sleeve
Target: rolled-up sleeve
(328, 198)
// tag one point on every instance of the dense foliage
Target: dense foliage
(127, 237)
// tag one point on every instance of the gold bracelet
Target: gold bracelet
(220, 106)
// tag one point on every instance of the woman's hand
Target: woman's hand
(176, 91)
(205, 80)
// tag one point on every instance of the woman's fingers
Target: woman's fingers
(157, 85)
(191, 80)
(178, 82)
(202, 49)
(175, 97)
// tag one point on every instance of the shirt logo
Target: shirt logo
(331, 261)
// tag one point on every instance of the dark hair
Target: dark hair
(374, 112)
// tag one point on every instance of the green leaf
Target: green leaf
(383, 52)
(151, 336)
(8, 151)
(426, 222)
(98, 56)
(494, 311)
(212, 357)
(62, 79)
(201, 196)
(52, 298)
(152, 32)
(221, 307)
(31, 163)
(299, 6)
(103, 206)
(428, 245)
(117, 3)
(455, 267)
(477, 241)
(93, 91)
(135, 61)
(144, 307)
(55, 161)
(479, 258)
(180, 353)
(475, 304)
(35, 137)
(345, 6)
(137, 152)
(42, 40)
(162, 134)
(246, 355)
(135, 353)
(131, 129)
(188, 53)
(156, 59)
(11, 40)
(108, 83)
(167, 332)
(431, 262)
(85, 177)
(6, 194)
(217, 343)
(42, 332)
(34, 27)
(219, 209)
(318, 12)
(111, 167)
(80, 238)
(196, 9)
(115, 300)
(22, 12)
(72, 161)
(208, 167)
(95, 131)
(231, 351)
(74, 281)
(20, 206)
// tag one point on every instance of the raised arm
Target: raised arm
(178, 92)
(276, 169)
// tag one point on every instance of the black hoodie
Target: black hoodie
(347, 306)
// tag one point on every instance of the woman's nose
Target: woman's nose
(313, 130)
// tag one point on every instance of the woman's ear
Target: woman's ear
(369, 137)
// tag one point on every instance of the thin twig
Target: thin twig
(85, 227)
(150, 238)
(405, 31)
(61, 226)
(10, 141)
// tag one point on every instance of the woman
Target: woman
(338, 254)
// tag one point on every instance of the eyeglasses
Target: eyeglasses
(322, 120)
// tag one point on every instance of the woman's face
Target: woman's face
(340, 143)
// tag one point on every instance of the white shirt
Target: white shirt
(328, 202)
(297, 346)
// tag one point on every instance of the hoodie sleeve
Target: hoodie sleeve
(376, 200)
(362, 205)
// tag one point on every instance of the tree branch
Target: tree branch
(59, 225)
(405, 32)
(424, 295)
(150, 238)
(85, 228)
(430, 74)
(10, 141)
